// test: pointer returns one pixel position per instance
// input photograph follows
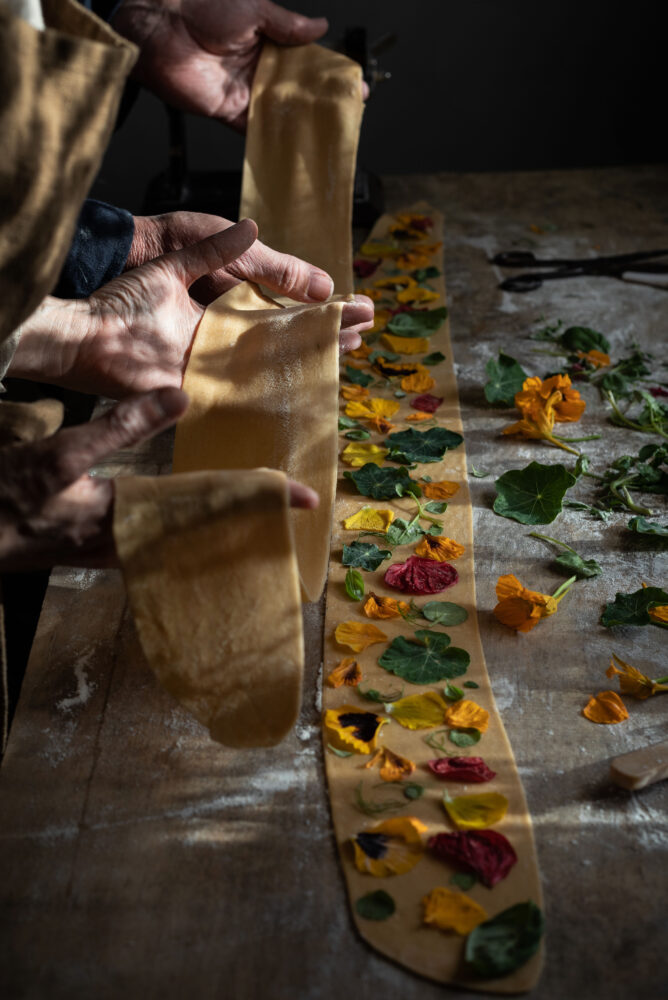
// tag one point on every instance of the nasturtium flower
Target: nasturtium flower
(396, 282)
(374, 407)
(371, 293)
(381, 425)
(414, 220)
(465, 714)
(418, 711)
(598, 359)
(369, 519)
(409, 296)
(659, 613)
(358, 453)
(415, 418)
(390, 848)
(406, 232)
(605, 707)
(376, 249)
(420, 381)
(358, 635)
(393, 767)
(354, 392)
(445, 489)
(384, 607)
(413, 259)
(352, 728)
(405, 345)
(439, 548)
(346, 674)
(554, 393)
(522, 609)
(467, 769)
(476, 812)
(389, 369)
(452, 911)
(486, 853)
(633, 682)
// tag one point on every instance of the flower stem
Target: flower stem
(661, 680)
(564, 588)
(588, 437)
(547, 538)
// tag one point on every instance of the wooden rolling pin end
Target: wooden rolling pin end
(641, 767)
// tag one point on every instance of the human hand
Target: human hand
(134, 334)
(201, 55)
(52, 512)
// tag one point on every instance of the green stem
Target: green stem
(564, 588)
(635, 507)
(588, 437)
(594, 475)
(547, 538)
(661, 680)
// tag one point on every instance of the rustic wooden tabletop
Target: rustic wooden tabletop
(141, 860)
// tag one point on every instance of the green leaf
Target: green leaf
(507, 941)
(377, 905)
(383, 483)
(581, 466)
(631, 609)
(386, 355)
(644, 527)
(426, 659)
(413, 790)
(471, 684)
(416, 323)
(463, 880)
(357, 435)
(581, 338)
(364, 555)
(371, 694)
(346, 423)
(464, 737)
(478, 473)
(452, 692)
(399, 393)
(432, 359)
(354, 585)
(601, 515)
(425, 273)
(421, 446)
(402, 532)
(532, 495)
(506, 378)
(436, 506)
(339, 753)
(444, 613)
(358, 377)
(573, 563)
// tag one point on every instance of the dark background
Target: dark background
(476, 86)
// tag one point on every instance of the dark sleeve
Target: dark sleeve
(98, 253)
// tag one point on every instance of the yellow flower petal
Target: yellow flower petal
(393, 767)
(596, 358)
(378, 250)
(380, 320)
(352, 728)
(405, 345)
(390, 848)
(632, 681)
(659, 613)
(384, 607)
(346, 674)
(354, 392)
(371, 293)
(358, 453)
(374, 407)
(466, 714)
(358, 635)
(452, 911)
(418, 294)
(396, 281)
(442, 490)
(369, 519)
(421, 381)
(605, 707)
(418, 711)
(476, 812)
(439, 548)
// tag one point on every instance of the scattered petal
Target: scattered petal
(390, 848)
(452, 911)
(415, 418)
(405, 345)
(427, 402)
(369, 519)
(396, 282)
(445, 489)
(358, 454)
(421, 576)
(605, 707)
(358, 635)
(352, 728)
(461, 769)
(487, 853)
(420, 381)
(599, 359)
(519, 608)
(385, 607)
(374, 294)
(346, 674)
(418, 711)
(374, 407)
(354, 392)
(466, 714)
(393, 767)
(475, 812)
(439, 548)
(632, 681)
(417, 294)
(365, 268)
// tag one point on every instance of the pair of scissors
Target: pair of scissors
(557, 268)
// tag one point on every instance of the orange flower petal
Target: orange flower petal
(606, 707)
(466, 714)
(444, 489)
(358, 635)
(416, 417)
(405, 345)
(452, 911)
(393, 767)
(419, 382)
(355, 392)
(439, 548)
(346, 674)
(384, 607)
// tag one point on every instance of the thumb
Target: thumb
(287, 28)
(211, 254)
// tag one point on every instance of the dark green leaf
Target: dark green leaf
(464, 737)
(463, 880)
(452, 692)
(377, 905)
(425, 273)
(371, 694)
(357, 435)
(616, 383)
(413, 790)
(573, 563)
(427, 659)
(644, 527)
(444, 613)
(631, 609)
(581, 338)
(402, 532)
(506, 942)
(358, 377)
(383, 484)
(601, 515)
(347, 423)
(364, 556)
(506, 377)
(478, 473)
(581, 466)
(436, 506)
(532, 495)
(387, 355)
(421, 446)
(471, 684)
(416, 323)
(432, 359)
(354, 585)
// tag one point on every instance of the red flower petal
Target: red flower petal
(427, 403)
(462, 769)
(364, 268)
(421, 576)
(487, 853)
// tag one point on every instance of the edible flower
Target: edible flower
(352, 728)
(419, 381)
(444, 489)
(374, 407)
(418, 711)
(389, 848)
(369, 519)
(380, 320)
(467, 769)
(381, 425)
(415, 220)
(405, 345)
(365, 268)
(439, 548)
(475, 812)
(466, 714)
(354, 392)
(346, 674)
(452, 911)
(633, 682)
(393, 767)
(598, 359)
(358, 453)
(358, 635)
(556, 392)
(606, 707)
(659, 613)
(414, 259)
(486, 853)
(408, 296)
(385, 607)
(371, 293)
(396, 282)
(427, 402)
(361, 352)
(521, 609)
(415, 418)
(421, 576)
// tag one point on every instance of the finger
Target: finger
(349, 340)
(287, 28)
(302, 496)
(282, 273)
(209, 255)
(357, 314)
(70, 453)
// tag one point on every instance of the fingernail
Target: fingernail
(320, 286)
(171, 401)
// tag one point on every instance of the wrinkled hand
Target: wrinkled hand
(52, 512)
(200, 55)
(134, 334)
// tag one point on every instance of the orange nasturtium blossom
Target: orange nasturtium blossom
(596, 358)
(358, 635)
(440, 549)
(351, 728)
(393, 767)
(452, 911)
(389, 848)
(354, 392)
(419, 381)
(605, 707)
(361, 352)
(633, 682)
(376, 606)
(444, 489)
(467, 715)
(415, 418)
(556, 392)
(414, 258)
(346, 674)
(522, 609)
(381, 425)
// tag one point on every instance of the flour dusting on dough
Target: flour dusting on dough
(85, 687)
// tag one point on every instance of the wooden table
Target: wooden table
(140, 860)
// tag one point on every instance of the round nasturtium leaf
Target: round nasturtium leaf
(532, 495)
(377, 905)
(506, 942)
(444, 613)
(428, 659)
